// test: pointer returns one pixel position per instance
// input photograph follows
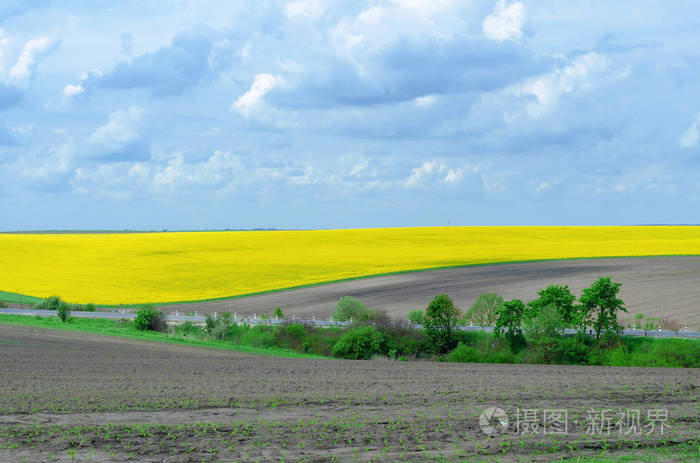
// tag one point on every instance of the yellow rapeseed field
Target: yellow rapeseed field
(158, 267)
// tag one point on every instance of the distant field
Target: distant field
(159, 267)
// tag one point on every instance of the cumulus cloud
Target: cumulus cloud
(436, 172)
(581, 74)
(33, 51)
(189, 59)
(71, 90)
(690, 137)
(121, 138)
(505, 22)
(250, 100)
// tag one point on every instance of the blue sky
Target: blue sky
(316, 113)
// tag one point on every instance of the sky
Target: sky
(344, 114)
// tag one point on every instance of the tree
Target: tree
(508, 323)
(348, 307)
(415, 317)
(278, 313)
(543, 330)
(485, 309)
(561, 298)
(63, 310)
(440, 319)
(599, 306)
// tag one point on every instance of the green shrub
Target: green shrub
(148, 318)
(50, 303)
(680, 353)
(296, 330)
(360, 343)
(571, 350)
(188, 329)
(416, 317)
(209, 323)
(3, 305)
(90, 307)
(465, 354)
(63, 311)
(350, 308)
(259, 336)
(278, 313)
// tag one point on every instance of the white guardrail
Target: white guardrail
(197, 318)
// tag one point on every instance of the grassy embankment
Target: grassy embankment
(401, 344)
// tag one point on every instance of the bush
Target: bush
(148, 318)
(209, 323)
(50, 303)
(90, 307)
(259, 336)
(3, 305)
(464, 353)
(350, 308)
(415, 317)
(63, 311)
(572, 350)
(360, 343)
(296, 330)
(278, 313)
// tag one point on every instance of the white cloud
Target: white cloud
(122, 130)
(262, 84)
(454, 176)
(33, 50)
(425, 171)
(505, 22)
(547, 89)
(690, 137)
(71, 90)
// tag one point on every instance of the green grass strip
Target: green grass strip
(118, 329)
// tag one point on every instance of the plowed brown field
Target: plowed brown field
(67, 396)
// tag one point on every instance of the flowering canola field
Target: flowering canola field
(164, 267)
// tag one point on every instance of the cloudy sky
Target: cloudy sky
(316, 113)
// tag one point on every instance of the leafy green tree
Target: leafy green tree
(415, 317)
(63, 310)
(209, 323)
(278, 313)
(600, 305)
(561, 298)
(440, 320)
(485, 309)
(509, 321)
(543, 330)
(349, 307)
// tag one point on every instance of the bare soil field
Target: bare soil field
(77, 397)
(663, 287)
